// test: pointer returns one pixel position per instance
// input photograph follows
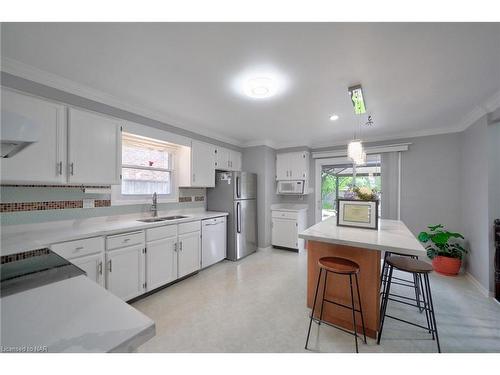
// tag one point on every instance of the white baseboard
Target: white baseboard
(485, 292)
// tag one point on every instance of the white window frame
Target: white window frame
(118, 199)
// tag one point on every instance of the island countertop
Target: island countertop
(392, 235)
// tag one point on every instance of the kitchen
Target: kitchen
(135, 221)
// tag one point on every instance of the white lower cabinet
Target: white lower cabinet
(161, 262)
(125, 276)
(93, 266)
(189, 254)
(286, 226)
(284, 233)
(87, 254)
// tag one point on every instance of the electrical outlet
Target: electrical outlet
(88, 203)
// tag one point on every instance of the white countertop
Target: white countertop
(289, 207)
(72, 315)
(392, 235)
(19, 238)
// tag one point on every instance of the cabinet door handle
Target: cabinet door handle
(126, 240)
(180, 245)
(175, 247)
(100, 268)
(59, 167)
(71, 168)
(194, 177)
(109, 266)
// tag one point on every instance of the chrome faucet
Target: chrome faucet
(154, 206)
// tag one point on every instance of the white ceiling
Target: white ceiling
(417, 78)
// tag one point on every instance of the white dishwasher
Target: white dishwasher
(213, 241)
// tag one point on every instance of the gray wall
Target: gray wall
(261, 160)
(430, 180)
(494, 190)
(474, 198)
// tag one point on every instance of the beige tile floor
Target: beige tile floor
(258, 305)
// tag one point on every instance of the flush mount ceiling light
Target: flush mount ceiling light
(260, 87)
(334, 117)
(262, 82)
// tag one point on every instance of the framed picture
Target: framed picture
(357, 213)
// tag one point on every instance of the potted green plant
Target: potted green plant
(444, 249)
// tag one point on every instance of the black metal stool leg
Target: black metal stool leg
(360, 307)
(384, 304)
(323, 298)
(431, 312)
(417, 291)
(385, 269)
(426, 306)
(353, 315)
(313, 307)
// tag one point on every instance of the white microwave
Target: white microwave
(291, 187)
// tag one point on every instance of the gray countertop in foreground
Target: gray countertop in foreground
(392, 235)
(19, 238)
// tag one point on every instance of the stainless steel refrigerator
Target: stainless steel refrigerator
(236, 193)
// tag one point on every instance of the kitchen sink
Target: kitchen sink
(164, 218)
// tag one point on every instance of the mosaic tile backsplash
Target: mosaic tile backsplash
(23, 204)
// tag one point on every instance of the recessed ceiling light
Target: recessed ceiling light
(260, 87)
(334, 117)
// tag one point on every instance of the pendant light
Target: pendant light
(355, 150)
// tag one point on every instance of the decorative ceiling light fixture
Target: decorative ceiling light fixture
(355, 149)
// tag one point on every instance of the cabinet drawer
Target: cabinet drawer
(192, 226)
(124, 240)
(285, 215)
(79, 248)
(158, 233)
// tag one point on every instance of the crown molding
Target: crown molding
(26, 71)
(31, 73)
(265, 142)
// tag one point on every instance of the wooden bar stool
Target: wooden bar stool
(339, 266)
(414, 267)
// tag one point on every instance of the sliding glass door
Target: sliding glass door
(338, 177)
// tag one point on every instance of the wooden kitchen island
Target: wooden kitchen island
(363, 246)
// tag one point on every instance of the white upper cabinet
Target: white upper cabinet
(197, 165)
(94, 148)
(227, 160)
(235, 160)
(43, 161)
(282, 167)
(292, 166)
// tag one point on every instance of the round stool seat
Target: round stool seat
(409, 264)
(339, 265)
